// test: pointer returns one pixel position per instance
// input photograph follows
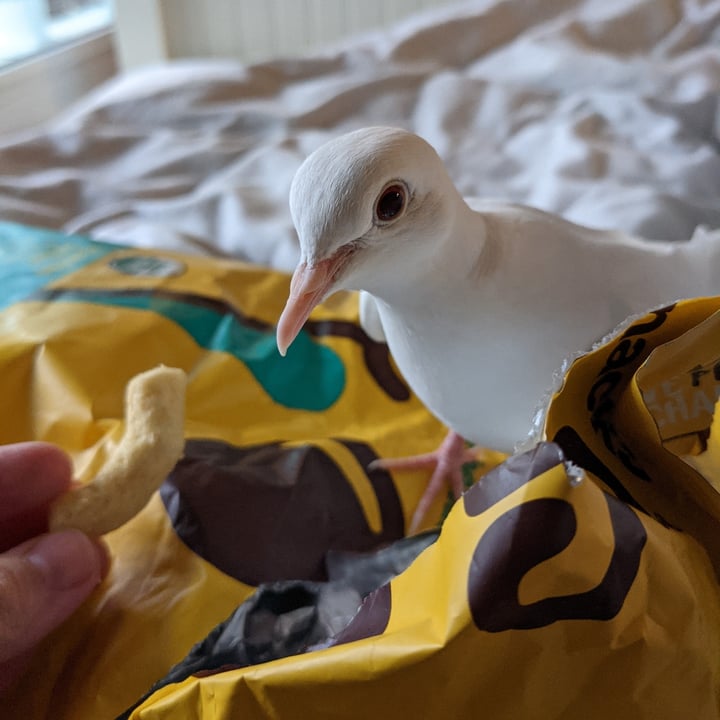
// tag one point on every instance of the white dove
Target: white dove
(479, 302)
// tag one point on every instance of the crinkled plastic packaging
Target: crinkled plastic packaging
(575, 580)
(641, 413)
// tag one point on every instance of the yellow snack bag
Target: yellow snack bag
(554, 590)
(637, 413)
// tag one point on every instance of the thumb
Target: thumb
(42, 582)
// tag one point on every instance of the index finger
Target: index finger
(32, 475)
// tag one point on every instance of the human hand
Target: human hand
(44, 577)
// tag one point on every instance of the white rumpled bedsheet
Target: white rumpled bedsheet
(606, 111)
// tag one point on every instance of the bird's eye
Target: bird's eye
(390, 203)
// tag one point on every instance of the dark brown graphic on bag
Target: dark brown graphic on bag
(533, 532)
(372, 618)
(272, 512)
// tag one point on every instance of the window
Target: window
(29, 27)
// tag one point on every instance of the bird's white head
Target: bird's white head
(367, 206)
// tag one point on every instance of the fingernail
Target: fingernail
(67, 559)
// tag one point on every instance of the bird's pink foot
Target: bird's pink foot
(446, 463)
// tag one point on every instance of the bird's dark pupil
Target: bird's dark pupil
(390, 204)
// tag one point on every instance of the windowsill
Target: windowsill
(35, 90)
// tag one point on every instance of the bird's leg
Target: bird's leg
(446, 462)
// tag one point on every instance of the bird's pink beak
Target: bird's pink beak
(309, 285)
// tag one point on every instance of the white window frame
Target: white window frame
(140, 33)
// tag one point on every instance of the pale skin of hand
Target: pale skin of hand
(44, 577)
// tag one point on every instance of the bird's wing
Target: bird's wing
(370, 318)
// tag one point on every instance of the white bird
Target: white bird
(479, 302)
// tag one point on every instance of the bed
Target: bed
(171, 181)
(603, 112)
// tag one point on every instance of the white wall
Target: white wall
(251, 30)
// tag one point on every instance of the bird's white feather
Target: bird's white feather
(370, 318)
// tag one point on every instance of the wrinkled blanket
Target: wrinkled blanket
(605, 111)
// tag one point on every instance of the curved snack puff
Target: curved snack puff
(152, 444)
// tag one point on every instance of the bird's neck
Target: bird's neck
(460, 250)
